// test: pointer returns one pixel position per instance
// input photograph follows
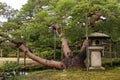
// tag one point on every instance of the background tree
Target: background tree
(6, 12)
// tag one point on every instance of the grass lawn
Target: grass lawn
(73, 74)
(111, 73)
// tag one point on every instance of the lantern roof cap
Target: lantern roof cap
(98, 35)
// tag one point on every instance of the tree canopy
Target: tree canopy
(30, 24)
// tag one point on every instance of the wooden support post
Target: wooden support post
(110, 51)
(25, 59)
(1, 52)
(18, 56)
(86, 33)
(54, 44)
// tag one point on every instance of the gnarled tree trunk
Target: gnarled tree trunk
(70, 61)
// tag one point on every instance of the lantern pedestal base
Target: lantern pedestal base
(92, 68)
(95, 53)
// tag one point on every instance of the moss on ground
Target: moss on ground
(111, 73)
(74, 74)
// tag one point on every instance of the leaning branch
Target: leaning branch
(51, 63)
(21, 46)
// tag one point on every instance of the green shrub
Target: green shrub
(11, 66)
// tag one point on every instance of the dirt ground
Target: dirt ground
(21, 60)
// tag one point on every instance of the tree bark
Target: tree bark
(77, 61)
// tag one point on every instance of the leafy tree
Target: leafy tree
(72, 15)
(109, 9)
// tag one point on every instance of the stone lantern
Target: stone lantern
(96, 49)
